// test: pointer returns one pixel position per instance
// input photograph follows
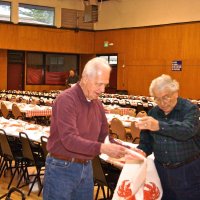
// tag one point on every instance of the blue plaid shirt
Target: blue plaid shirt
(179, 136)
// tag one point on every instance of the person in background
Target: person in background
(72, 78)
(78, 129)
(172, 132)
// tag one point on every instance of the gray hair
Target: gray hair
(94, 66)
(162, 82)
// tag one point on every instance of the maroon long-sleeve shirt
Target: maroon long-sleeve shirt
(78, 126)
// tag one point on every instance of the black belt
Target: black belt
(178, 164)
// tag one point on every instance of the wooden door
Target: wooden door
(15, 76)
(113, 80)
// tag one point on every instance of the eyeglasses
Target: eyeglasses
(164, 99)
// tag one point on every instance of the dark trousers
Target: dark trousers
(182, 183)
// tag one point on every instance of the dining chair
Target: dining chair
(117, 127)
(44, 140)
(13, 98)
(17, 114)
(22, 100)
(150, 106)
(116, 111)
(5, 112)
(11, 153)
(127, 104)
(139, 107)
(131, 112)
(35, 158)
(115, 102)
(144, 99)
(15, 191)
(32, 101)
(104, 178)
(41, 102)
(141, 114)
(4, 98)
(135, 133)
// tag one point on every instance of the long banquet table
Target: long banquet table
(12, 127)
(30, 110)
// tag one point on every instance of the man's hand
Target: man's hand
(113, 150)
(138, 157)
(148, 123)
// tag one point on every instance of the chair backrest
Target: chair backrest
(118, 128)
(4, 110)
(4, 98)
(116, 111)
(150, 106)
(16, 111)
(115, 101)
(5, 146)
(23, 101)
(135, 133)
(13, 98)
(144, 99)
(41, 102)
(44, 140)
(32, 101)
(98, 173)
(131, 112)
(139, 107)
(127, 104)
(142, 114)
(26, 146)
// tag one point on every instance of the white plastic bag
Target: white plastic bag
(138, 181)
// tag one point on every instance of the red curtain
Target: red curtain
(56, 78)
(34, 76)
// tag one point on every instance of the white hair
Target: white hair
(94, 66)
(162, 82)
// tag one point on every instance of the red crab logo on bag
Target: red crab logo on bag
(151, 191)
(125, 191)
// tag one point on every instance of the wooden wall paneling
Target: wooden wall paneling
(191, 40)
(114, 37)
(189, 81)
(3, 69)
(168, 43)
(85, 42)
(140, 76)
(8, 36)
(44, 87)
(122, 81)
(84, 58)
(157, 47)
(137, 49)
(189, 78)
(121, 72)
(32, 38)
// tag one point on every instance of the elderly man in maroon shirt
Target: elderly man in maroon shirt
(78, 129)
